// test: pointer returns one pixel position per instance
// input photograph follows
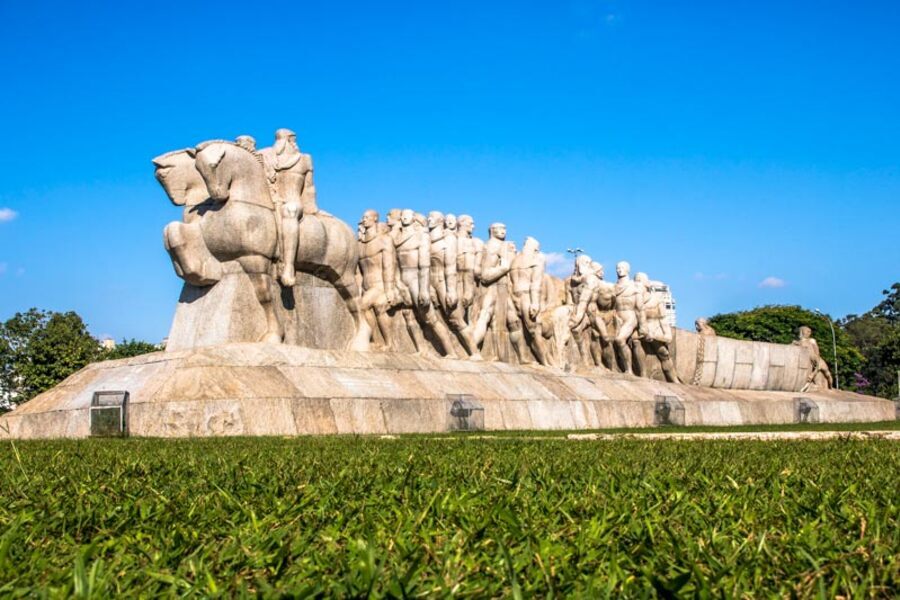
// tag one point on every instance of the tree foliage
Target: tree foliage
(877, 335)
(38, 349)
(779, 324)
(128, 348)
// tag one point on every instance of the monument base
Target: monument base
(268, 389)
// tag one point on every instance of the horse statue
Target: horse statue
(236, 222)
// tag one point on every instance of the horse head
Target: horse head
(178, 176)
(230, 170)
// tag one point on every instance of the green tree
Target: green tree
(877, 335)
(779, 324)
(129, 348)
(38, 349)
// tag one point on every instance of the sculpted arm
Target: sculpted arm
(425, 269)
(450, 257)
(641, 317)
(584, 298)
(537, 279)
(309, 188)
(490, 272)
(479, 257)
(389, 268)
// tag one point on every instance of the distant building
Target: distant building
(663, 289)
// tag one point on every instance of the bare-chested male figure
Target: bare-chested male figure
(658, 334)
(819, 377)
(290, 174)
(604, 321)
(468, 264)
(444, 285)
(527, 277)
(496, 301)
(583, 294)
(377, 264)
(413, 245)
(629, 316)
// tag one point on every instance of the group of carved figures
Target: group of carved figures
(258, 208)
(448, 285)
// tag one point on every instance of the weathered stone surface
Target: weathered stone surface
(272, 389)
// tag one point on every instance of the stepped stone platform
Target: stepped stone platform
(271, 389)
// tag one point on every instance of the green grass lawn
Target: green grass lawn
(471, 517)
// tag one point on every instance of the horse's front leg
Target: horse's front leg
(258, 270)
(191, 258)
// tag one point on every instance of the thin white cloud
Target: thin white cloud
(772, 282)
(7, 214)
(558, 264)
(698, 276)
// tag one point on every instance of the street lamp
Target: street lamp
(837, 378)
(575, 252)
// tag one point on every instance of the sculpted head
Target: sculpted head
(531, 246)
(450, 221)
(466, 224)
(393, 216)
(583, 264)
(804, 332)
(407, 217)
(208, 158)
(701, 325)
(247, 142)
(369, 219)
(285, 140)
(435, 219)
(598, 269)
(420, 219)
(623, 268)
(177, 175)
(498, 231)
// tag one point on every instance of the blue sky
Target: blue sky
(746, 153)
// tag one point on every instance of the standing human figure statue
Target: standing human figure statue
(527, 277)
(406, 306)
(444, 285)
(496, 304)
(377, 264)
(470, 251)
(704, 328)
(629, 318)
(554, 318)
(819, 377)
(290, 173)
(604, 318)
(583, 286)
(658, 334)
(413, 244)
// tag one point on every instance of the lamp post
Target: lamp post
(837, 377)
(575, 252)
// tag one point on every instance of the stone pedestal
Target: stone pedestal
(312, 312)
(276, 389)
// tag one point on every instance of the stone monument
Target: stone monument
(289, 323)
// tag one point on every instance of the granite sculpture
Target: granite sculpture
(819, 374)
(413, 283)
(290, 323)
